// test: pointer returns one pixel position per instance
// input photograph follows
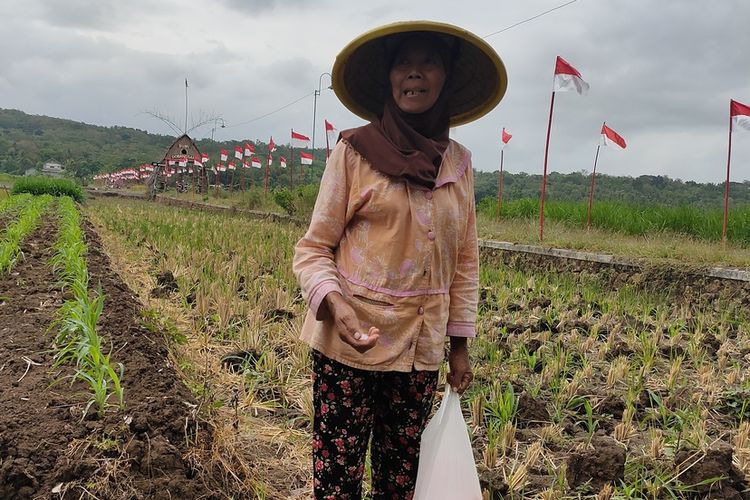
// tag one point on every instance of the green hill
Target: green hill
(27, 141)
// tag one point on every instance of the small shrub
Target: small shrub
(286, 200)
(252, 199)
(305, 199)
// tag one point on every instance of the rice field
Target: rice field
(632, 220)
(581, 391)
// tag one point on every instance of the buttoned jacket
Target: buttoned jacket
(403, 256)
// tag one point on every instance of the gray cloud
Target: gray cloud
(263, 6)
(661, 73)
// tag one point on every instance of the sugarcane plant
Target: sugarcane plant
(77, 342)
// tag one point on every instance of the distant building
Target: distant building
(53, 169)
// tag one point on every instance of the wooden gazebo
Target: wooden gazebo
(182, 151)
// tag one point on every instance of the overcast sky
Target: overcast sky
(661, 72)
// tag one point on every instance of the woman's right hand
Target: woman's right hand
(348, 326)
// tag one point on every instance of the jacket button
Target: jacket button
(431, 235)
(420, 311)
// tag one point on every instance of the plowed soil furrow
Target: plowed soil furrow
(45, 444)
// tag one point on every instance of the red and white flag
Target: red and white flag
(299, 140)
(271, 145)
(305, 158)
(329, 127)
(255, 162)
(204, 157)
(282, 161)
(238, 152)
(610, 137)
(183, 162)
(568, 78)
(232, 166)
(740, 114)
(197, 161)
(270, 160)
(221, 167)
(245, 164)
(224, 154)
(249, 149)
(505, 138)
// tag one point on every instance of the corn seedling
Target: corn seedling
(77, 341)
(28, 220)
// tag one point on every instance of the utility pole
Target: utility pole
(315, 104)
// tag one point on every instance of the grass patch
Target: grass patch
(45, 185)
(632, 220)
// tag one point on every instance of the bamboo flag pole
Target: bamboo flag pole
(566, 78)
(505, 138)
(291, 162)
(544, 176)
(726, 183)
(500, 187)
(328, 145)
(591, 190)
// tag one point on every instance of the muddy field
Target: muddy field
(613, 391)
(48, 449)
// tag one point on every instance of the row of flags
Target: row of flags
(568, 78)
(244, 154)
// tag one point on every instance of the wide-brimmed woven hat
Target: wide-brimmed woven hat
(477, 74)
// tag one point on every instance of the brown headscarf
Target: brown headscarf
(406, 145)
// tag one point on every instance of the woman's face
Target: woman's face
(417, 76)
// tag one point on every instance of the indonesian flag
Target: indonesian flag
(197, 161)
(232, 166)
(505, 138)
(222, 167)
(271, 145)
(171, 163)
(329, 127)
(224, 155)
(249, 149)
(204, 157)
(245, 164)
(299, 140)
(305, 158)
(282, 161)
(740, 114)
(238, 152)
(255, 162)
(568, 78)
(183, 163)
(609, 137)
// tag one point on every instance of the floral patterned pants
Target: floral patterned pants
(353, 406)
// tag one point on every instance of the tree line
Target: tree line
(28, 141)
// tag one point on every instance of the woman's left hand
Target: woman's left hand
(460, 375)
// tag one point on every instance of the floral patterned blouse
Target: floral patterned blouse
(405, 258)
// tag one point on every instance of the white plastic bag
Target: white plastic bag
(446, 463)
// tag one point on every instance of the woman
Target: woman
(389, 264)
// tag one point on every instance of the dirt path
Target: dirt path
(137, 452)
